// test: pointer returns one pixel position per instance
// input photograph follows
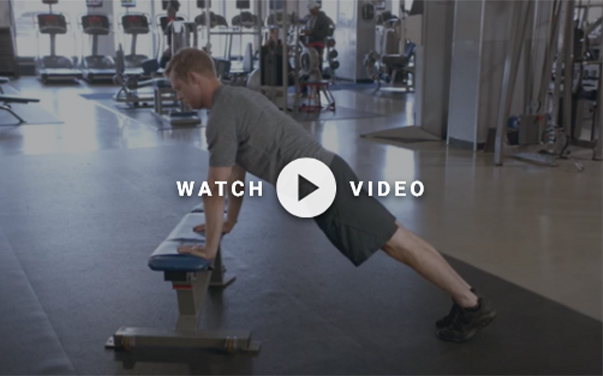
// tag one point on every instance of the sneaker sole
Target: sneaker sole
(481, 325)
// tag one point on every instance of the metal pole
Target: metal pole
(551, 50)
(568, 77)
(597, 154)
(296, 67)
(208, 27)
(285, 55)
(258, 11)
(519, 19)
(529, 47)
(554, 123)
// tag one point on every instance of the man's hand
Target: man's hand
(197, 250)
(226, 227)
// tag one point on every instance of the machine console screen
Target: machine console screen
(96, 21)
(52, 23)
(135, 23)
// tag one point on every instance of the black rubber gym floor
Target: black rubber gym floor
(76, 232)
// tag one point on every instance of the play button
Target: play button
(306, 187)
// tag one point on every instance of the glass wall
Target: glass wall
(72, 44)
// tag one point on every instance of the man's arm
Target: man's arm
(214, 210)
(234, 202)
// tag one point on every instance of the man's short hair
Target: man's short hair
(191, 60)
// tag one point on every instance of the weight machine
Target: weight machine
(552, 121)
(392, 62)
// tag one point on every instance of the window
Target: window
(27, 34)
(330, 8)
(396, 8)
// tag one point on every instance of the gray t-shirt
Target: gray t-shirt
(245, 128)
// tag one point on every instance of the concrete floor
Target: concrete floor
(536, 228)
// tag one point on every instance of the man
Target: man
(172, 9)
(246, 132)
(317, 29)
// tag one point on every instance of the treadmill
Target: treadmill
(134, 24)
(54, 67)
(96, 67)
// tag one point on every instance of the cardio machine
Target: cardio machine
(182, 34)
(134, 24)
(54, 67)
(96, 67)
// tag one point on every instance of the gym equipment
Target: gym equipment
(553, 117)
(183, 34)
(130, 83)
(134, 24)
(54, 67)
(393, 60)
(7, 100)
(191, 277)
(96, 67)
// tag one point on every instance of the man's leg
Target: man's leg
(470, 313)
(416, 253)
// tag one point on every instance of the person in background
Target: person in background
(317, 29)
(172, 9)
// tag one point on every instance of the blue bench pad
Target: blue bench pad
(166, 256)
(167, 259)
(184, 230)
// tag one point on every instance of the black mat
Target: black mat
(402, 135)
(99, 96)
(76, 232)
(32, 113)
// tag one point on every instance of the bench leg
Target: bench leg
(191, 289)
(191, 295)
(224, 340)
(219, 278)
(10, 111)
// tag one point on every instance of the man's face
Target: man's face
(188, 90)
(314, 11)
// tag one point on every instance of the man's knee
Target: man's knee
(398, 245)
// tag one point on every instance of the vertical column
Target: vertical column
(433, 62)
(5, 14)
(465, 74)
(598, 152)
(365, 39)
(345, 24)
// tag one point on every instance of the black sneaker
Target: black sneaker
(468, 322)
(447, 320)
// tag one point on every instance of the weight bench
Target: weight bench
(7, 100)
(191, 277)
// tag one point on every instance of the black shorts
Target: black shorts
(357, 226)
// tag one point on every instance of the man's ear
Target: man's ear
(193, 77)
